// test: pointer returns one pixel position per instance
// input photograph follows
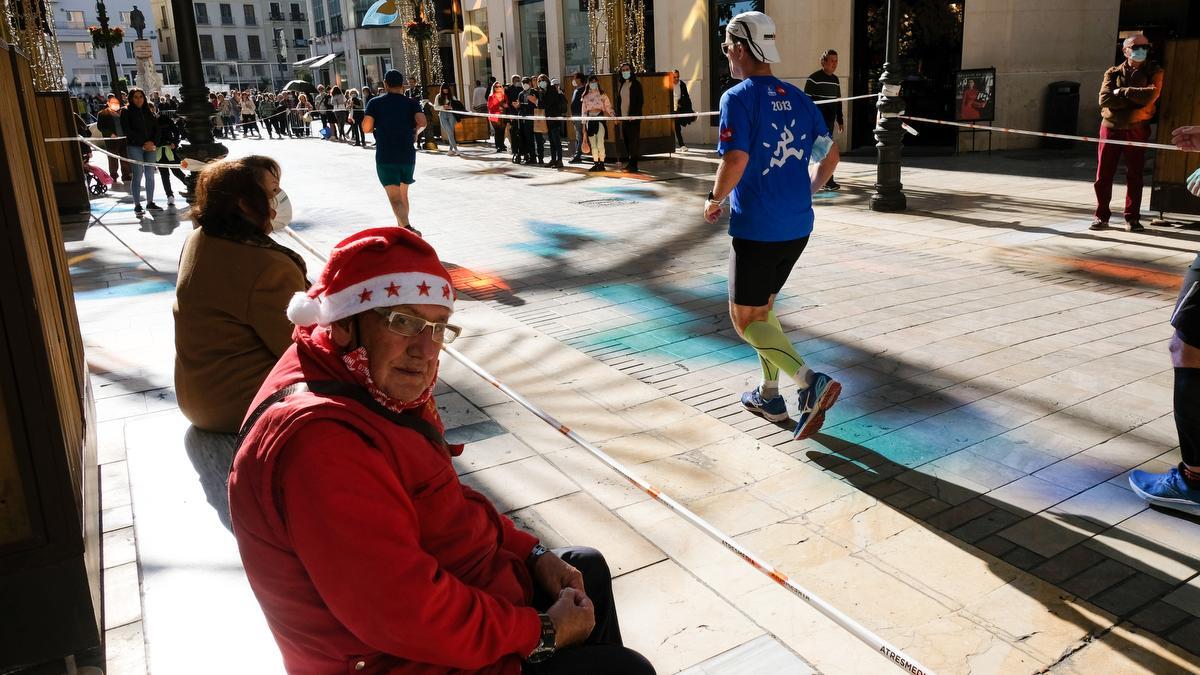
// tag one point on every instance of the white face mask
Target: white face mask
(525, 87)
(283, 211)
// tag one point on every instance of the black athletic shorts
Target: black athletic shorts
(1186, 317)
(759, 269)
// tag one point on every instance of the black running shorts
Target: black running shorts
(759, 269)
(1186, 317)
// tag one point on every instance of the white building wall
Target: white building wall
(1033, 44)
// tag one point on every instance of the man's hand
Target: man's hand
(553, 574)
(574, 617)
(1187, 138)
(712, 211)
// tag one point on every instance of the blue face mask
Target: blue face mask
(594, 85)
(1138, 54)
(626, 74)
(542, 85)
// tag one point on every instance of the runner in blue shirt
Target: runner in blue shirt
(395, 120)
(770, 131)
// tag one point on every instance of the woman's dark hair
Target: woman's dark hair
(335, 91)
(596, 78)
(137, 90)
(225, 188)
(627, 65)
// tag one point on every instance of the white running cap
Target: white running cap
(758, 30)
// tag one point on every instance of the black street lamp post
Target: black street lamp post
(194, 106)
(114, 78)
(889, 132)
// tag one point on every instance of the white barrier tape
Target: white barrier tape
(1043, 134)
(884, 648)
(620, 118)
(67, 139)
(180, 165)
(257, 119)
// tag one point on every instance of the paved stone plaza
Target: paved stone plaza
(1004, 369)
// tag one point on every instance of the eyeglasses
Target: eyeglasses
(412, 326)
(726, 47)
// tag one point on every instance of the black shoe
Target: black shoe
(516, 160)
(832, 185)
(1098, 225)
(631, 168)
(1134, 226)
(577, 159)
(598, 166)
(137, 210)
(153, 207)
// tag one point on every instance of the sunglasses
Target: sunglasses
(412, 326)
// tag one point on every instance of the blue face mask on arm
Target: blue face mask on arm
(821, 147)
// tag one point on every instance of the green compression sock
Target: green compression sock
(769, 388)
(773, 346)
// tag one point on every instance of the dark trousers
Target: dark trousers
(602, 653)
(631, 135)
(678, 133)
(498, 132)
(165, 174)
(281, 125)
(117, 148)
(526, 139)
(555, 137)
(1135, 163)
(539, 146)
(356, 132)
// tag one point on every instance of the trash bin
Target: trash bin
(1061, 114)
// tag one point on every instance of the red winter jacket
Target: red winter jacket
(365, 551)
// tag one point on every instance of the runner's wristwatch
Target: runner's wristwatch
(545, 648)
(713, 199)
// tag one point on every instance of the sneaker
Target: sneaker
(577, 159)
(1167, 490)
(414, 230)
(774, 410)
(814, 401)
(153, 207)
(682, 148)
(1098, 225)
(137, 210)
(597, 167)
(1134, 226)
(832, 185)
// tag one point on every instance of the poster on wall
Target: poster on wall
(975, 95)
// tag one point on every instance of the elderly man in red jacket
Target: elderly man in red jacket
(365, 551)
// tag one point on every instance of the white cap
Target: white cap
(758, 30)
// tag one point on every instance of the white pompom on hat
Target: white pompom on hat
(380, 267)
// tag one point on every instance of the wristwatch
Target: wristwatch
(537, 552)
(545, 647)
(713, 199)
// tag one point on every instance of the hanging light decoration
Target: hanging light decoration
(617, 29)
(30, 25)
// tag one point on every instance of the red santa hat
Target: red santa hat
(380, 267)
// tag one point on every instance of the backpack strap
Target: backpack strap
(354, 393)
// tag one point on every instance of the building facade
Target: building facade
(85, 67)
(344, 52)
(243, 45)
(1030, 45)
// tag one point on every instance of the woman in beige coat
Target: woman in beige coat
(231, 300)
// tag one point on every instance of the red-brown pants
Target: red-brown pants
(1135, 164)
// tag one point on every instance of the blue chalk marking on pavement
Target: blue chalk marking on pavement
(127, 290)
(637, 194)
(555, 240)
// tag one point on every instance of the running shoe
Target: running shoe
(814, 401)
(774, 409)
(832, 185)
(154, 207)
(1134, 226)
(682, 148)
(1167, 490)
(1098, 225)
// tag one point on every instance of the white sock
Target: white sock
(803, 377)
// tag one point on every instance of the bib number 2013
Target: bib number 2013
(780, 106)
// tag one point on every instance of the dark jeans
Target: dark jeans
(498, 132)
(555, 137)
(1135, 164)
(356, 132)
(678, 134)
(602, 653)
(631, 134)
(539, 146)
(526, 148)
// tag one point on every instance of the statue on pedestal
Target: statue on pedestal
(137, 21)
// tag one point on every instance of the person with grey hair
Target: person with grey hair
(1127, 99)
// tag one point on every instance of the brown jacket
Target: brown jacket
(231, 325)
(1134, 104)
